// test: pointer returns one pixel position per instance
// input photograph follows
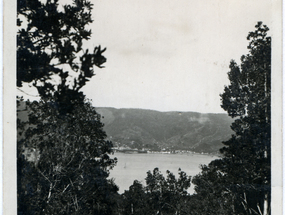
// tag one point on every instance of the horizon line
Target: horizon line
(179, 111)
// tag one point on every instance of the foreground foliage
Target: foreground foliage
(50, 52)
(160, 195)
(62, 154)
(240, 182)
(63, 162)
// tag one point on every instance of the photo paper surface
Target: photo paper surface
(145, 107)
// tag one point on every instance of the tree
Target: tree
(63, 156)
(50, 52)
(67, 170)
(212, 194)
(160, 195)
(245, 166)
(249, 97)
(135, 200)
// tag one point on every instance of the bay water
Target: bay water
(134, 166)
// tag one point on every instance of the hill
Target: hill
(154, 130)
(139, 128)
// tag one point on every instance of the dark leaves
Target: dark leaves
(239, 182)
(72, 161)
(54, 37)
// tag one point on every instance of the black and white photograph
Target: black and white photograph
(143, 107)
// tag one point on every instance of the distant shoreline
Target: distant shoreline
(178, 152)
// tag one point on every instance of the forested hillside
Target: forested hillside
(138, 128)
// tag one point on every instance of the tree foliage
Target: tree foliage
(63, 162)
(160, 195)
(62, 152)
(50, 52)
(244, 171)
(135, 200)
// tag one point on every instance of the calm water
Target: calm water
(132, 167)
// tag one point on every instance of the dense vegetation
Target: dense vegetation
(160, 195)
(155, 130)
(63, 154)
(63, 151)
(63, 162)
(240, 182)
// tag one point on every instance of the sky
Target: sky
(169, 55)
